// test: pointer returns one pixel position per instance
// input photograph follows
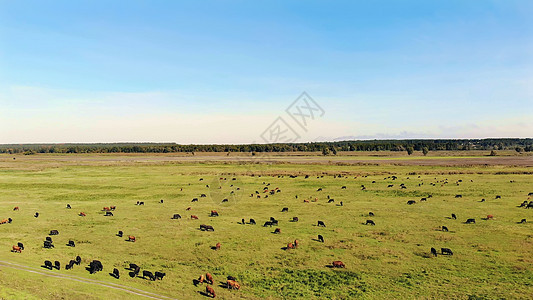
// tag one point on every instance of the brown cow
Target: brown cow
(231, 284)
(106, 209)
(217, 246)
(82, 214)
(209, 278)
(214, 213)
(306, 201)
(17, 249)
(277, 230)
(490, 217)
(201, 279)
(296, 243)
(210, 291)
(188, 208)
(131, 238)
(4, 221)
(193, 217)
(338, 264)
(290, 246)
(16, 208)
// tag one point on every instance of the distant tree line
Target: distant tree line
(326, 148)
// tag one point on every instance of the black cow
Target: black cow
(141, 203)
(194, 200)
(120, 233)
(95, 266)
(149, 275)
(21, 245)
(161, 201)
(57, 265)
(203, 195)
(267, 223)
(252, 221)
(116, 274)
(48, 244)
(133, 266)
(320, 223)
(498, 197)
(295, 219)
(458, 196)
(159, 275)
(530, 205)
(49, 239)
(136, 271)
(224, 200)
(78, 260)
(331, 200)
(108, 214)
(370, 222)
(68, 206)
(343, 187)
(319, 190)
(274, 222)
(434, 251)
(410, 202)
(446, 251)
(522, 221)
(71, 244)
(70, 264)
(176, 216)
(285, 209)
(454, 217)
(243, 222)
(471, 221)
(48, 264)
(371, 214)
(423, 199)
(444, 228)
(54, 232)
(320, 238)
(36, 215)
(9, 220)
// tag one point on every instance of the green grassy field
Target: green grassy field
(492, 258)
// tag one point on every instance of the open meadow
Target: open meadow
(389, 260)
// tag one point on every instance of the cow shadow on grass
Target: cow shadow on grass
(204, 294)
(423, 254)
(329, 266)
(113, 275)
(196, 282)
(46, 267)
(223, 284)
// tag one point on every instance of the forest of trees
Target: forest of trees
(520, 145)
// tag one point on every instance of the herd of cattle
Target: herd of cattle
(231, 282)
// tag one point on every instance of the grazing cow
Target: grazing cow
(285, 209)
(161, 201)
(176, 216)
(78, 260)
(48, 264)
(214, 213)
(331, 200)
(454, 217)
(225, 200)
(68, 206)
(113, 207)
(70, 265)
(149, 275)
(252, 221)
(343, 187)
(133, 266)
(136, 271)
(242, 221)
(201, 279)
(267, 223)
(210, 291)
(321, 223)
(9, 220)
(54, 232)
(116, 274)
(296, 243)
(482, 200)
(233, 285)
(471, 221)
(370, 214)
(16, 249)
(4, 221)
(48, 245)
(21, 245)
(434, 251)
(523, 221)
(15, 208)
(498, 197)
(530, 205)
(319, 190)
(217, 246)
(106, 209)
(194, 200)
(320, 238)
(277, 231)
(458, 196)
(209, 228)
(290, 246)
(209, 278)
(444, 228)
(36, 215)
(108, 214)
(203, 195)
(524, 204)
(490, 217)
(131, 238)
(159, 275)
(338, 264)
(82, 214)
(390, 185)
(410, 202)
(295, 219)
(120, 233)
(446, 251)
(188, 208)
(274, 222)
(57, 265)
(193, 217)
(370, 222)
(71, 243)
(423, 199)
(48, 239)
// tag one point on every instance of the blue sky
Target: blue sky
(223, 71)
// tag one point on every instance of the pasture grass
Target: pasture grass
(492, 258)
